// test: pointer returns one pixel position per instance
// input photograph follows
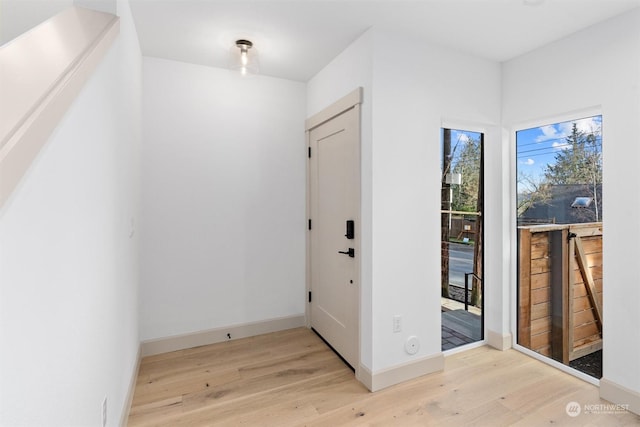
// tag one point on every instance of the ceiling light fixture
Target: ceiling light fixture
(244, 58)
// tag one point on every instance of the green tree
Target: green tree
(579, 164)
(536, 191)
(465, 197)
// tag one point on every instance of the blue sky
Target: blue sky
(537, 147)
(458, 139)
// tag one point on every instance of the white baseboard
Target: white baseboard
(132, 388)
(212, 336)
(615, 393)
(400, 373)
(499, 341)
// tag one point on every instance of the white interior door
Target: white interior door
(334, 199)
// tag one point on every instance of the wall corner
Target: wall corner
(499, 341)
(615, 393)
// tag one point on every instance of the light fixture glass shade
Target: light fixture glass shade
(243, 57)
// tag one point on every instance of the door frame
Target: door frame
(352, 100)
(512, 130)
(484, 129)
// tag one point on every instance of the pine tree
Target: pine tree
(579, 164)
(468, 165)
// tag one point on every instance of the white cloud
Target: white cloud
(463, 137)
(588, 125)
(560, 131)
(561, 146)
(529, 162)
(548, 132)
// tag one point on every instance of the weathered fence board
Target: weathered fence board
(560, 289)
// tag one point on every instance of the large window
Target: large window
(559, 211)
(461, 237)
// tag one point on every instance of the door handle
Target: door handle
(351, 252)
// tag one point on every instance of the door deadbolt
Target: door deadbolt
(351, 252)
(350, 229)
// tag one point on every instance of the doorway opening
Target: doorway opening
(559, 215)
(461, 240)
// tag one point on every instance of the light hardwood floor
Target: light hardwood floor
(291, 378)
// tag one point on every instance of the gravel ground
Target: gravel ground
(590, 364)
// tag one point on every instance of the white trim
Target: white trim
(463, 348)
(567, 116)
(45, 88)
(401, 373)
(618, 394)
(490, 132)
(463, 125)
(499, 341)
(364, 375)
(561, 366)
(124, 418)
(513, 234)
(340, 106)
(212, 336)
(307, 272)
(358, 228)
(513, 220)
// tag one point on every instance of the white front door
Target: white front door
(334, 201)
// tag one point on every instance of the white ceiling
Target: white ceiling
(296, 38)
(19, 16)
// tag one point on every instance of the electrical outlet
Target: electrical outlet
(104, 412)
(397, 323)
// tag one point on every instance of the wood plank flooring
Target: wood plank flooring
(291, 378)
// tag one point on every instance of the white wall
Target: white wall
(68, 264)
(415, 92)
(223, 205)
(598, 67)
(409, 94)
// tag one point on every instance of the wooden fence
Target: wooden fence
(560, 289)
